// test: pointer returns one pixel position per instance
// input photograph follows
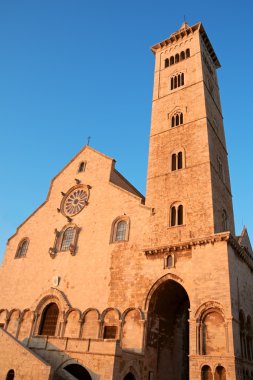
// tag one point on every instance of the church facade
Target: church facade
(101, 283)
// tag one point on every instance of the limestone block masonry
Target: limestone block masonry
(102, 283)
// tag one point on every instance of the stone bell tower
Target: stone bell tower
(188, 181)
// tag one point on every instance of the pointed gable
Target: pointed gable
(244, 240)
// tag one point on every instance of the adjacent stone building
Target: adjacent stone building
(101, 283)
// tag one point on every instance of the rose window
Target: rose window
(74, 201)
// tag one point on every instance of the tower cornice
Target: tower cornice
(240, 250)
(185, 31)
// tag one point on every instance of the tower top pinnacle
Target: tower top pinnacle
(184, 26)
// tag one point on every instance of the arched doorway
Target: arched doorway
(129, 376)
(78, 371)
(168, 331)
(49, 320)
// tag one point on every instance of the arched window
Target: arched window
(169, 263)
(187, 53)
(224, 220)
(173, 122)
(180, 215)
(171, 60)
(173, 218)
(166, 62)
(177, 119)
(180, 160)
(10, 375)
(22, 248)
(206, 373)
(177, 81)
(177, 58)
(121, 230)
(182, 55)
(82, 167)
(176, 161)
(67, 238)
(176, 215)
(220, 373)
(182, 79)
(49, 320)
(172, 83)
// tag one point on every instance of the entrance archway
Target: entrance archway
(129, 376)
(49, 320)
(78, 371)
(168, 330)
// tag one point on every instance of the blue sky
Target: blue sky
(73, 69)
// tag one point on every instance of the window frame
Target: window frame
(115, 224)
(174, 215)
(59, 235)
(19, 248)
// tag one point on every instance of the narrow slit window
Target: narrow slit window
(181, 118)
(171, 60)
(180, 160)
(182, 79)
(171, 84)
(174, 162)
(166, 62)
(173, 216)
(175, 82)
(180, 215)
(173, 121)
(81, 168)
(187, 53)
(177, 58)
(179, 80)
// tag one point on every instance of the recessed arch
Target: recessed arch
(168, 329)
(161, 280)
(78, 371)
(51, 295)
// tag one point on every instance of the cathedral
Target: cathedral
(102, 283)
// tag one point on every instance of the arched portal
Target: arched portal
(78, 371)
(168, 331)
(49, 320)
(129, 376)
